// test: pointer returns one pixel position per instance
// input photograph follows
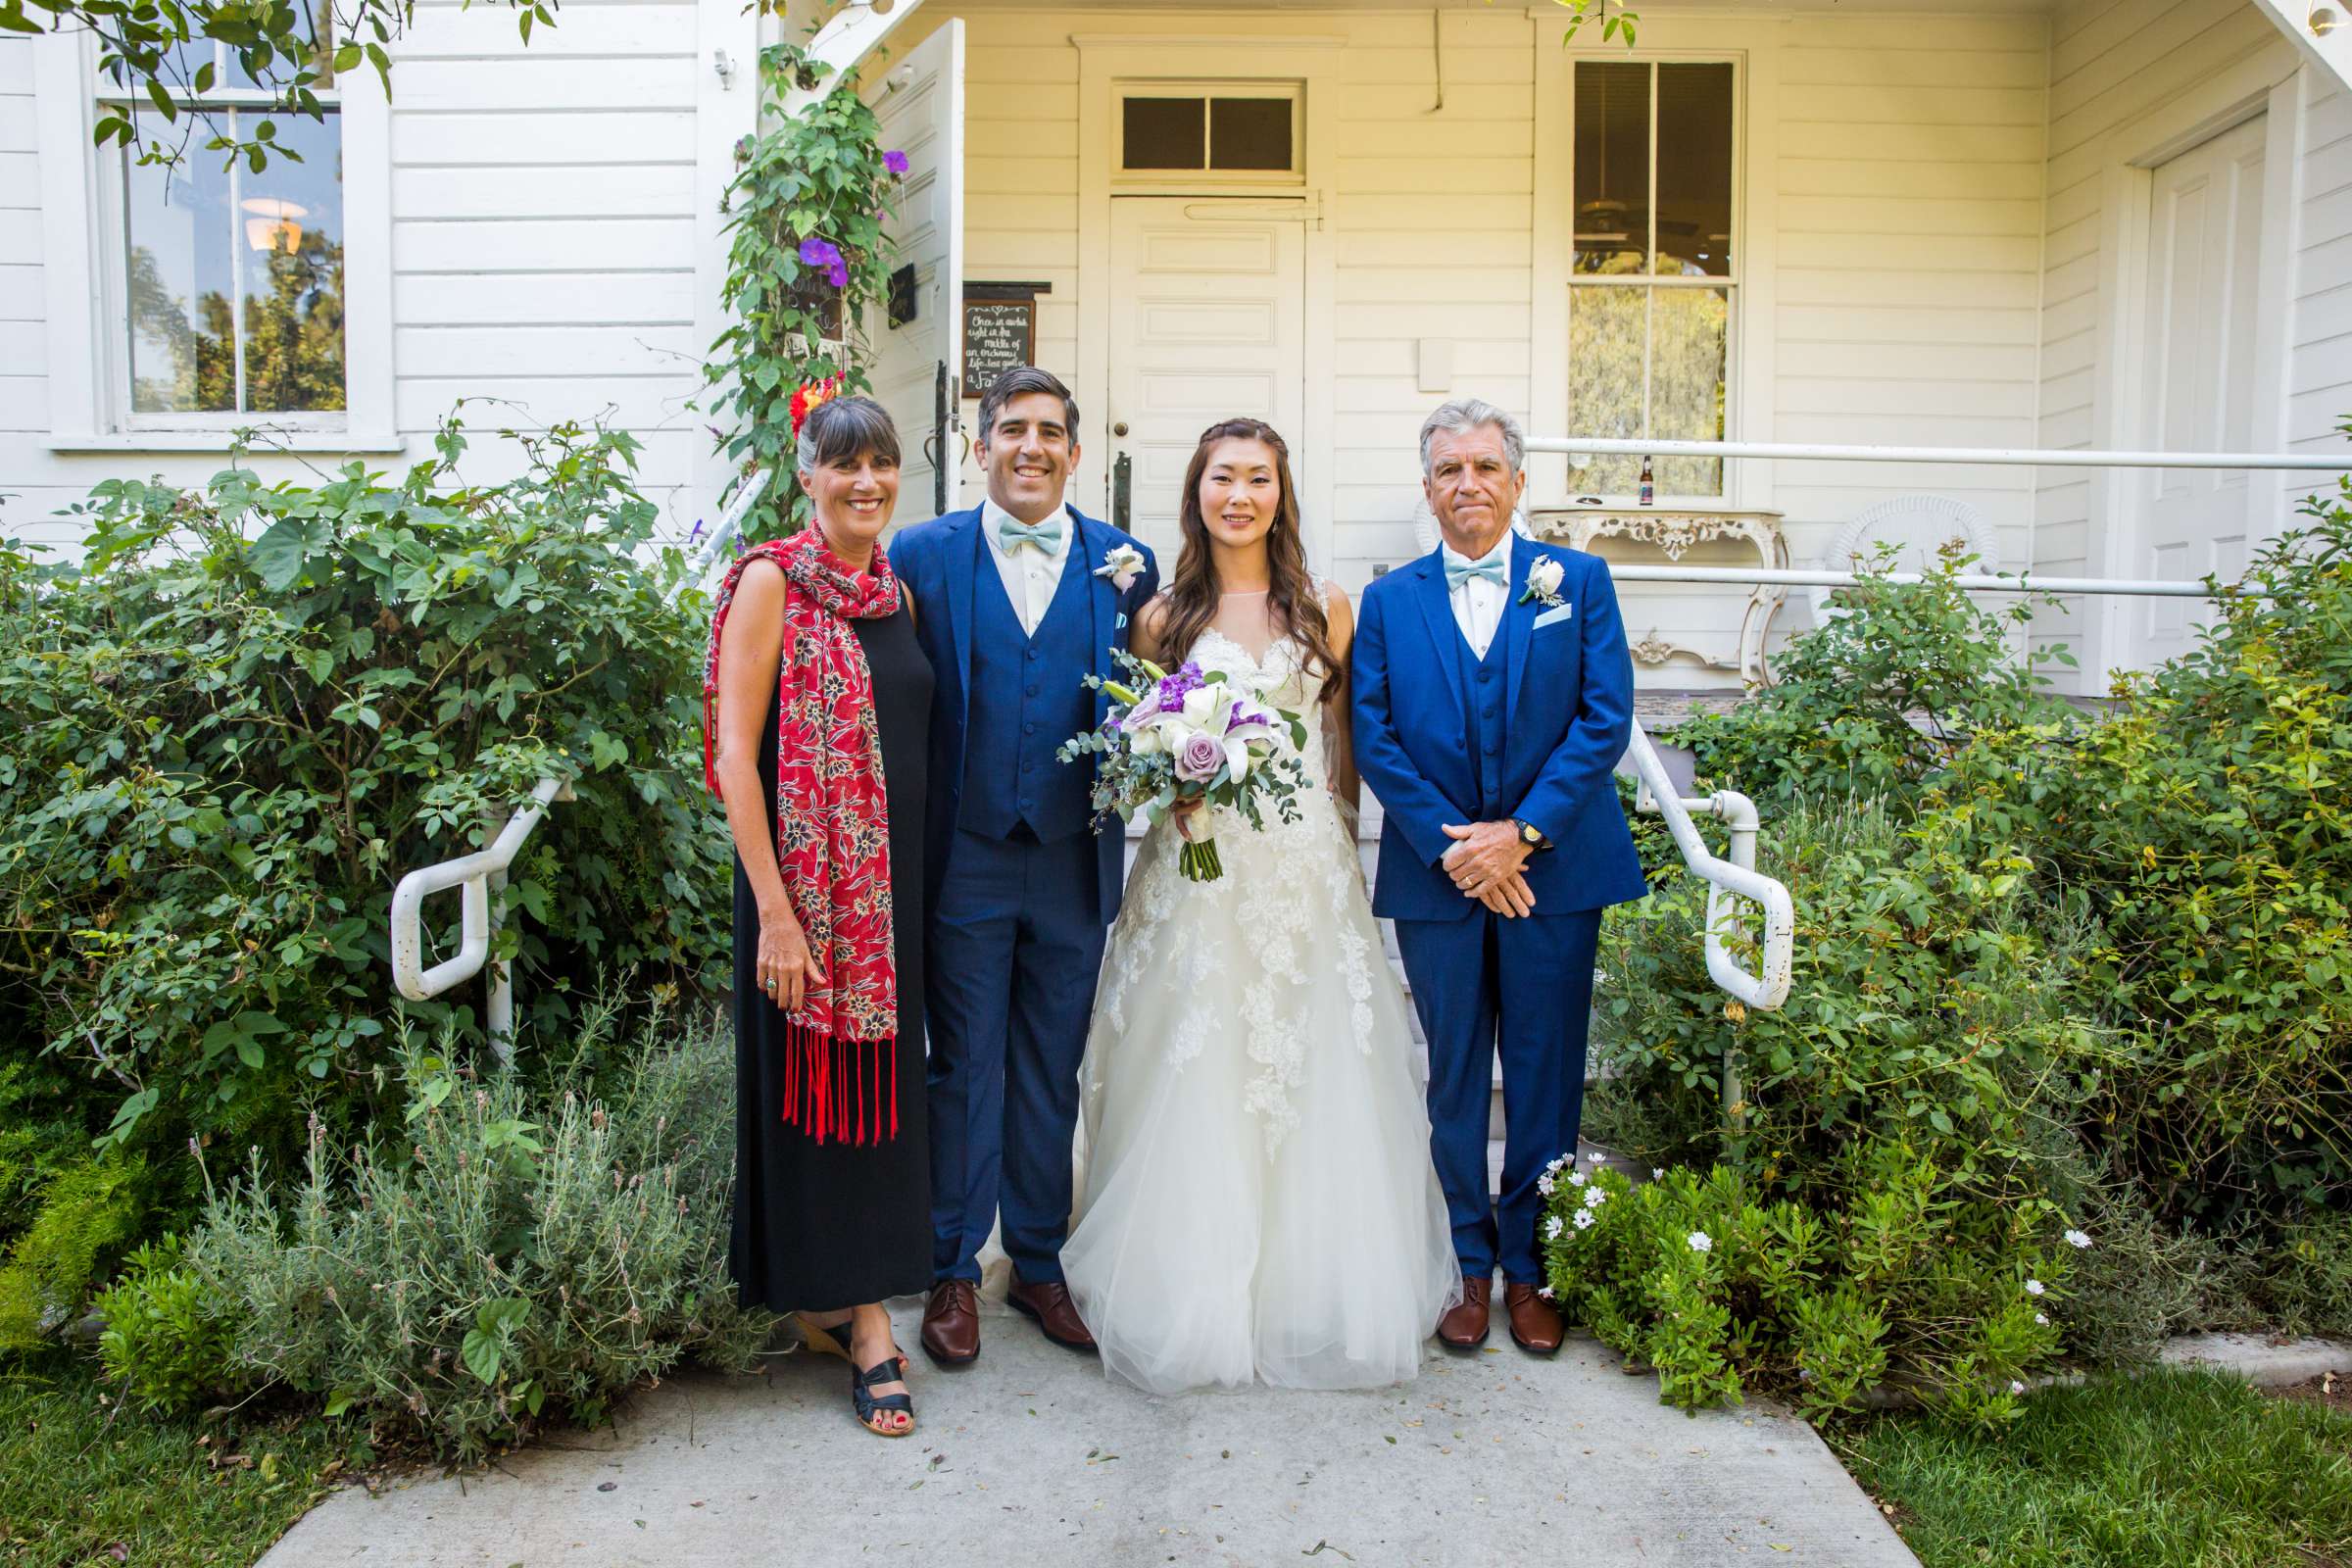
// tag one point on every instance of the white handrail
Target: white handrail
(1974, 582)
(720, 547)
(1999, 457)
(1767, 988)
(474, 874)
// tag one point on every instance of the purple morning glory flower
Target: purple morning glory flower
(895, 161)
(825, 255)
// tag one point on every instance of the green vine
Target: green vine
(806, 260)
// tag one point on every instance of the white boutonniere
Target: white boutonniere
(1122, 565)
(1543, 582)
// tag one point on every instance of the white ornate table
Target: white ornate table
(1672, 531)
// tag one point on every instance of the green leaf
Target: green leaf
(282, 551)
(480, 1352)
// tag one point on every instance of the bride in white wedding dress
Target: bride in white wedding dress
(1258, 1203)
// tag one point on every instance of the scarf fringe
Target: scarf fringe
(833, 1090)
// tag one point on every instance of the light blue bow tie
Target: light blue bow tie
(1458, 572)
(1013, 533)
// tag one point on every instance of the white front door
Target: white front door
(919, 103)
(1207, 323)
(2197, 394)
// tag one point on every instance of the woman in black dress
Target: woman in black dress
(823, 702)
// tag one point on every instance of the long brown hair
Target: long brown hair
(1294, 596)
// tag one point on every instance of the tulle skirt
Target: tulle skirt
(1258, 1202)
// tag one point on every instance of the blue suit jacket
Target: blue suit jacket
(1570, 702)
(934, 560)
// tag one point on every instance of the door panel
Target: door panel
(2205, 236)
(919, 103)
(1207, 324)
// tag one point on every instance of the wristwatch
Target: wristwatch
(1531, 835)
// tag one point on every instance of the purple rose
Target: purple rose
(895, 161)
(1197, 763)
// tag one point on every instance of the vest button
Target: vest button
(1486, 711)
(1491, 747)
(1032, 653)
(1026, 804)
(1033, 688)
(1029, 729)
(1485, 674)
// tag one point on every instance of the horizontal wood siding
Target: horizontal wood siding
(543, 250)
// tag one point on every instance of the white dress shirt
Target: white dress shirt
(1478, 604)
(1031, 576)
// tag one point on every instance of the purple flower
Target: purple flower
(1197, 763)
(825, 255)
(895, 161)
(1172, 687)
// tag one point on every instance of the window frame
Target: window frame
(1731, 283)
(1292, 92)
(82, 243)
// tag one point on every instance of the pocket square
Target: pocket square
(1122, 621)
(1550, 615)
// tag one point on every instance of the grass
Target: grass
(83, 1482)
(2183, 1470)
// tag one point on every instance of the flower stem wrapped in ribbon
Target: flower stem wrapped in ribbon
(1190, 734)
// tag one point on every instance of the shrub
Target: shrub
(89, 1216)
(170, 1334)
(250, 706)
(1880, 696)
(1720, 1288)
(509, 1257)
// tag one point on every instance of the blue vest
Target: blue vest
(1482, 700)
(1027, 697)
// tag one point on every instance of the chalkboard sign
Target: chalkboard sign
(997, 334)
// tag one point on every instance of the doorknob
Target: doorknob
(1119, 429)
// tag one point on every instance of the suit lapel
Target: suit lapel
(1444, 636)
(1092, 541)
(1517, 619)
(963, 558)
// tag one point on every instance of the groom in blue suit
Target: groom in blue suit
(1494, 694)
(1017, 600)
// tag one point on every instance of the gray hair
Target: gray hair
(842, 428)
(1473, 414)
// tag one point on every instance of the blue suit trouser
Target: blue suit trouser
(1525, 987)
(1016, 942)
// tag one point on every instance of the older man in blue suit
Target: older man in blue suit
(1492, 697)
(1016, 602)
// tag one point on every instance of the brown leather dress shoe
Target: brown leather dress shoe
(1464, 1327)
(1534, 1324)
(952, 1323)
(1056, 1314)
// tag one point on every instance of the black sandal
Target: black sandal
(867, 1402)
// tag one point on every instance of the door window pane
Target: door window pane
(1689, 347)
(1606, 380)
(1612, 166)
(1249, 133)
(290, 244)
(1694, 171)
(1164, 132)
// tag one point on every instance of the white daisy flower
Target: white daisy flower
(2078, 1240)
(1657, 1173)
(1595, 1197)
(2041, 1320)
(1596, 1159)
(1583, 1219)
(1552, 1228)
(1545, 1290)
(1702, 1241)
(2016, 1387)
(1576, 1178)
(2033, 1287)
(1543, 1185)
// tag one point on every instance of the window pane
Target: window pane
(1688, 342)
(1164, 133)
(280, 68)
(290, 244)
(1249, 133)
(180, 275)
(1605, 327)
(1695, 170)
(1612, 166)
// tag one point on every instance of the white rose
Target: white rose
(1198, 703)
(1546, 574)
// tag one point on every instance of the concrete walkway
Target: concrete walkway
(1031, 1459)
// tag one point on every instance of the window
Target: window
(1654, 281)
(1164, 130)
(225, 287)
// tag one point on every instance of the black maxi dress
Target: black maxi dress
(822, 1227)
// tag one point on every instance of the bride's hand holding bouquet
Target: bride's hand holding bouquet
(1177, 741)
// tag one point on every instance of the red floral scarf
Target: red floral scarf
(832, 835)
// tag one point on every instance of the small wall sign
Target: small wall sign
(999, 330)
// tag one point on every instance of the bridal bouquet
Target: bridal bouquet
(1189, 734)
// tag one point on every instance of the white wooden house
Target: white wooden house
(2110, 223)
